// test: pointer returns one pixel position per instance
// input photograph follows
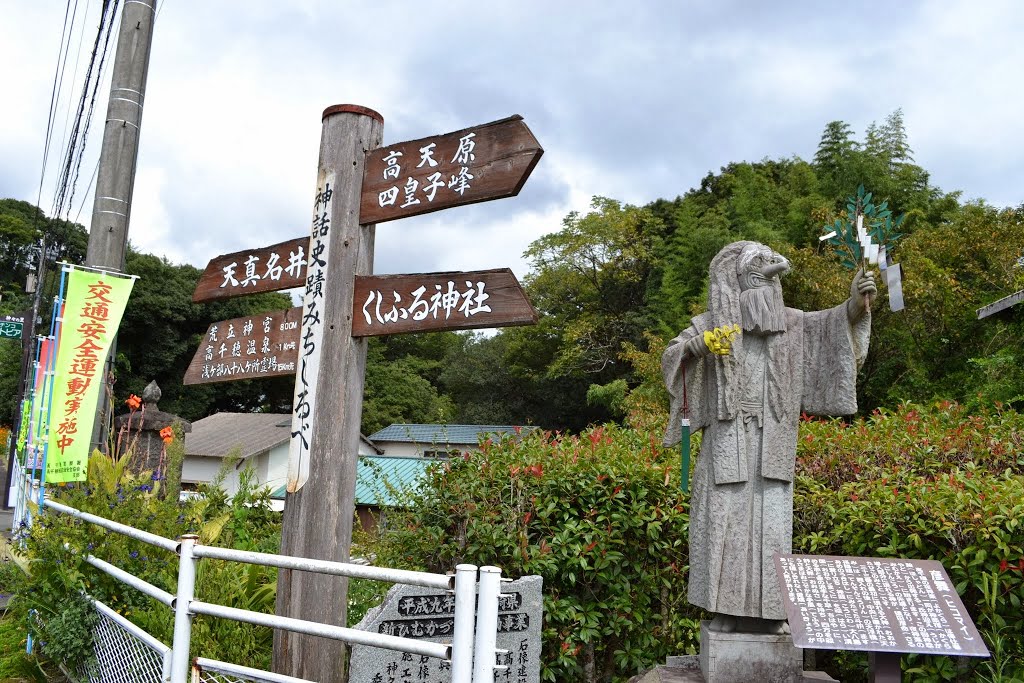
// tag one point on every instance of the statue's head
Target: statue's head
(745, 287)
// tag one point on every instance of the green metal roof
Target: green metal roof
(380, 478)
(443, 435)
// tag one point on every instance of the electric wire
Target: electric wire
(67, 181)
(74, 71)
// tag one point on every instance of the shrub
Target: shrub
(56, 545)
(599, 516)
(926, 482)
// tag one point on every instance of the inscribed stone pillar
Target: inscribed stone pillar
(139, 430)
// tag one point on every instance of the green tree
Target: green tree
(589, 280)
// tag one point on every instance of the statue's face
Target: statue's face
(759, 266)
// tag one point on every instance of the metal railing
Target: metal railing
(124, 652)
(475, 616)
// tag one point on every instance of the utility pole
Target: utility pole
(28, 338)
(115, 180)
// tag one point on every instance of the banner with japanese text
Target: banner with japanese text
(93, 308)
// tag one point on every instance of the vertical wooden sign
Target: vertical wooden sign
(328, 399)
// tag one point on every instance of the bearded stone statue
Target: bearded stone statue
(748, 404)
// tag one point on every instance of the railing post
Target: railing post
(182, 618)
(462, 639)
(486, 624)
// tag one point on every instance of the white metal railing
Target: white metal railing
(475, 590)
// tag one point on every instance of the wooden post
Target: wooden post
(318, 517)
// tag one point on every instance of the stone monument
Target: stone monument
(412, 612)
(747, 396)
(142, 428)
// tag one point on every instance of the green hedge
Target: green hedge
(601, 518)
(598, 516)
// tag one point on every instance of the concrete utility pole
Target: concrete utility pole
(115, 179)
(318, 517)
(28, 346)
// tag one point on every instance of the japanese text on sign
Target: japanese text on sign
(87, 363)
(304, 403)
(875, 604)
(443, 300)
(92, 312)
(412, 191)
(252, 271)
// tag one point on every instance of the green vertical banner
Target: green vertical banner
(93, 308)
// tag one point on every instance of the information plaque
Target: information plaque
(875, 604)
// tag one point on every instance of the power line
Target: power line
(67, 181)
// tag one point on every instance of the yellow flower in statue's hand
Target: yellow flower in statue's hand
(719, 340)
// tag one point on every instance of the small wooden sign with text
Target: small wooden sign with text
(260, 345)
(395, 304)
(266, 344)
(280, 266)
(476, 164)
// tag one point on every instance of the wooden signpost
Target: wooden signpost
(280, 266)
(262, 345)
(324, 343)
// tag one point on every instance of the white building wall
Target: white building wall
(202, 470)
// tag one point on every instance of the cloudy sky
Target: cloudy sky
(631, 100)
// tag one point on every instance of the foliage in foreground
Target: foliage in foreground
(599, 516)
(58, 575)
(926, 482)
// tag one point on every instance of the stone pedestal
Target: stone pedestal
(140, 430)
(749, 657)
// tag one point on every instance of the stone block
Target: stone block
(749, 657)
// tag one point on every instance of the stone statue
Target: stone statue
(748, 402)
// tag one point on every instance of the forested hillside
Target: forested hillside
(613, 284)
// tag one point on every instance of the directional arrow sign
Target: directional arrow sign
(266, 344)
(281, 266)
(393, 304)
(468, 166)
(260, 345)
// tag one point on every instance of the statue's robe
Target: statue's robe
(741, 510)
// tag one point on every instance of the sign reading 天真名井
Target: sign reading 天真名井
(280, 266)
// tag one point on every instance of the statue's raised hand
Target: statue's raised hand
(862, 293)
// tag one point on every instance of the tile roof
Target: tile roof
(379, 479)
(219, 434)
(442, 434)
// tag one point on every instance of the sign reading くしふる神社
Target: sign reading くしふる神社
(261, 345)
(393, 304)
(421, 613)
(471, 165)
(875, 604)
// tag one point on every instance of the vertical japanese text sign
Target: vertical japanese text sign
(312, 334)
(93, 308)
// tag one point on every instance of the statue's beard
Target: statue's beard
(763, 309)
